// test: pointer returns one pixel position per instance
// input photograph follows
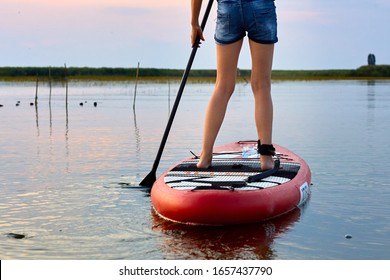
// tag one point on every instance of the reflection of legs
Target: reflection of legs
(262, 56)
(227, 59)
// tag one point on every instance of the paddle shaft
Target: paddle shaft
(151, 177)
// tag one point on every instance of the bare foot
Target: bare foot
(204, 162)
(266, 162)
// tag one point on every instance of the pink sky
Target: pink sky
(318, 34)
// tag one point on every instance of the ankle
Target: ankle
(266, 162)
(265, 149)
(204, 161)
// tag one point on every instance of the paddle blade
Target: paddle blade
(149, 180)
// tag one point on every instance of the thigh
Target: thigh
(227, 60)
(262, 57)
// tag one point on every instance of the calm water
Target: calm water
(69, 176)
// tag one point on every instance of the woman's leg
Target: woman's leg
(262, 56)
(227, 59)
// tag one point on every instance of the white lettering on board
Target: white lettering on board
(305, 193)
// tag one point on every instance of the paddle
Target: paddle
(149, 180)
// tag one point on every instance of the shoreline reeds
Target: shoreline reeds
(57, 74)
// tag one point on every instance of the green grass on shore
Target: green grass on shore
(155, 74)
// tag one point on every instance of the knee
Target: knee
(261, 85)
(225, 89)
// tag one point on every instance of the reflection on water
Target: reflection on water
(137, 137)
(253, 241)
(371, 93)
(70, 173)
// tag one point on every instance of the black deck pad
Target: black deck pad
(286, 170)
(222, 166)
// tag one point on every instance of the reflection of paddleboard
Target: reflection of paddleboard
(233, 190)
(249, 241)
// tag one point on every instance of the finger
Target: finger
(200, 34)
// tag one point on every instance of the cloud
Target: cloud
(122, 32)
(127, 11)
(301, 16)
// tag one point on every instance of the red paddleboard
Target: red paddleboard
(233, 190)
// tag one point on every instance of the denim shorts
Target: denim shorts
(236, 18)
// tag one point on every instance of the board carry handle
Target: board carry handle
(149, 180)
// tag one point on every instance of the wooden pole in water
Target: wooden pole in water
(135, 88)
(36, 105)
(36, 91)
(169, 98)
(66, 88)
(66, 106)
(49, 85)
(50, 113)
